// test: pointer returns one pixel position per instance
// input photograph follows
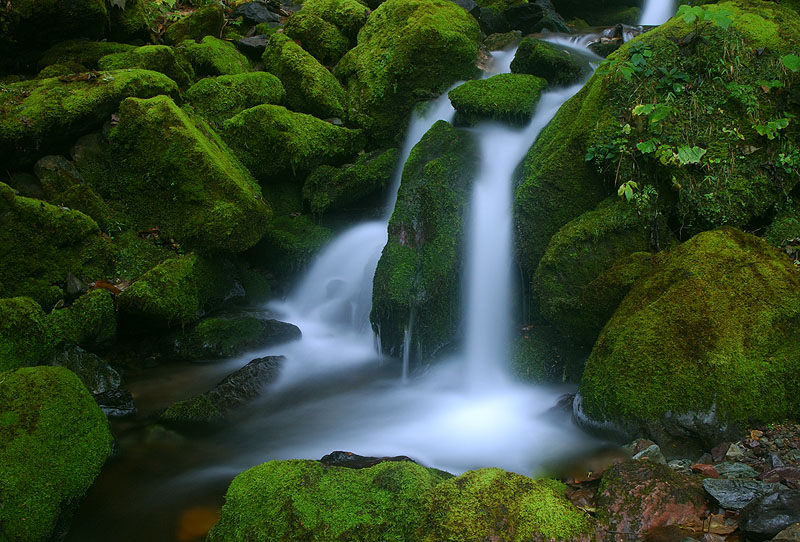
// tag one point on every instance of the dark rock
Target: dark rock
(116, 403)
(25, 184)
(789, 534)
(97, 375)
(718, 452)
(253, 47)
(732, 470)
(468, 5)
(786, 475)
(255, 13)
(355, 461)
(604, 46)
(765, 517)
(539, 16)
(736, 494)
(74, 287)
(499, 42)
(491, 22)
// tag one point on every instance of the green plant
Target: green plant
(771, 128)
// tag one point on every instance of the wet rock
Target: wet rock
(468, 5)
(116, 403)
(355, 461)
(765, 517)
(538, 16)
(74, 287)
(499, 42)
(736, 494)
(733, 470)
(652, 453)
(491, 22)
(255, 13)
(789, 476)
(253, 47)
(97, 375)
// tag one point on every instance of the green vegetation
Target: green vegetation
(506, 97)
(196, 409)
(212, 56)
(25, 337)
(220, 98)
(349, 16)
(310, 88)
(560, 66)
(91, 321)
(408, 51)
(712, 326)
(225, 337)
(81, 51)
(419, 270)
(322, 39)
(53, 441)
(158, 58)
(206, 21)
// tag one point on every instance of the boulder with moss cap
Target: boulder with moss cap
(158, 58)
(25, 336)
(220, 98)
(320, 38)
(206, 21)
(560, 66)
(506, 97)
(213, 56)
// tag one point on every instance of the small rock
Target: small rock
(255, 13)
(638, 445)
(97, 375)
(790, 534)
(786, 475)
(116, 403)
(736, 494)
(705, 470)
(765, 517)
(652, 453)
(683, 466)
(468, 5)
(734, 453)
(718, 452)
(776, 460)
(355, 461)
(735, 470)
(253, 47)
(74, 287)
(705, 459)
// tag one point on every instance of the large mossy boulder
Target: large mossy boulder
(296, 500)
(420, 267)
(213, 56)
(25, 336)
(310, 87)
(408, 51)
(42, 244)
(90, 322)
(322, 39)
(559, 65)
(227, 336)
(53, 441)
(158, 58)
(81, 51)
(43, 116)
(703, 345)
(506, 97)
(582, 250)
(164, 169)
(349, 16)
(277, 144)
(220, 98)
(206, 21)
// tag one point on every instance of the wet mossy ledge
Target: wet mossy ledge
(507, 97)
(394, 501)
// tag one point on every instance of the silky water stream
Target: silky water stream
(335, 392)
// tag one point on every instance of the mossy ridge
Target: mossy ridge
(559, 65)
(213, 56)
(296, 499)
(714, 325)
(219, 98)
(289, 144)
(197, 191)
(157, 58)
(505, 97)
(310, 88)
(40, 116)
(90, 321)
(81, 51)
(53, 441)
(421, 263)
(408, 51)
(347, 15)
(206, 21)
(43, 243)
(328, 188)
(489, 504)
(25, 336)
(323, 40)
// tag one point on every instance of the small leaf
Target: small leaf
(791, 62)
(647, 147)
(628, 192)
(690, 155)
(643, 109)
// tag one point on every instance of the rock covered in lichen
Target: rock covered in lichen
(53, 441)
(90, 321)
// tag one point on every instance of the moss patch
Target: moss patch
(322, 39)
(213, 56)
(25, 336)
(506, 97)
(206, 21)
(90, 322)
(158, 58)
(560, 66)
(347, 15)
(84, 52)
(220, 98)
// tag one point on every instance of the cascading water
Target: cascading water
(656, 12)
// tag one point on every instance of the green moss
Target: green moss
(213, 56)
(220, 98)
(506, 97)
(542, 355)
(713, 325)
(35, 24)
(165, 169)
(39, 117)
(289, 144)
(197, 409)
(499, 42)
(90, 322)
(84, 52)
(784, 230)
(499, 6)
(330, 188)
(322, 39)
(579, 253)
(222, 337)
(306, 500)
(53, 441)
(408, 51)
(420, 266)
(491, 504)
(310, 87)
(42, 244)
(560, 66)
(158, 58)
(57, 70)
(206, 21)
(347, 15)
(134, 22)
(25, 337)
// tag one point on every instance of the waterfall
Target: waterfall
(656, 12)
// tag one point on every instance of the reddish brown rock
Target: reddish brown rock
(707, 471)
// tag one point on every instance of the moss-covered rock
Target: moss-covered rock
(213, 56)
(90, 322)
(407, 51)
(82, 51)
(164, 169)
(135, 22)
(294, 500)
(42, 116)
(25, 336)
(419, 270)
(58, 70)
(492, 504)
(579, 253)
(220, 98)
(53, 441)
(347, 15)
(560, 66)
(158, 58)
(506, 97)
(329, 188)
(223, 337)
(206, 21)
(310, 88)
(42, 244)
(705, 343)
(277, 144)
(322, 39)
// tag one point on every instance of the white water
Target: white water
(656, 12)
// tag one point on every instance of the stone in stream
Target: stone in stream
(765, 517)
(355, 461)
(736, 494)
